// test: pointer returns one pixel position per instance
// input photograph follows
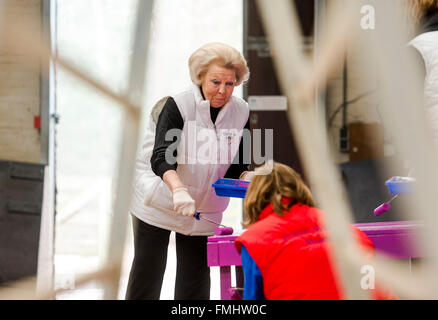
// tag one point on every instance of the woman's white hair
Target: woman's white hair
(222, 54)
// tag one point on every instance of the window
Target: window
(97, 37)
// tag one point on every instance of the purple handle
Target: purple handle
(223, 231)
(382, 209)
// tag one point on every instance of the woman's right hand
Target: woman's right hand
(183, 203)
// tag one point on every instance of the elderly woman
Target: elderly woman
(193, 139)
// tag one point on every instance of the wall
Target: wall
(363, 88)
(19, 93)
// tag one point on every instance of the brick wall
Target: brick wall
(19, 92)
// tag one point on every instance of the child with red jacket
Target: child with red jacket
(284, 252)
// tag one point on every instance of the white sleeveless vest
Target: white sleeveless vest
(205, 151)
(427, 44)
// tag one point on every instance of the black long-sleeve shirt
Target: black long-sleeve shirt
(170, 118)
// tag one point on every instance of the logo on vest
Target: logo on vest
(228, 136)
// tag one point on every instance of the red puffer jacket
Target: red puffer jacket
(293, 256)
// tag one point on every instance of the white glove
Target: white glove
(246, 175)
(183, 203)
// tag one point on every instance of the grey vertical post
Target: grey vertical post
(45, 270)
(318, 39)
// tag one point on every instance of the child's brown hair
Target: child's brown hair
(420, 8)
(270, 183)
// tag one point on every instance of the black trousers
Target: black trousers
(150, 256)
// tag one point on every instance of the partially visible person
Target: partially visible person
(425, 48)
(285, 255)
